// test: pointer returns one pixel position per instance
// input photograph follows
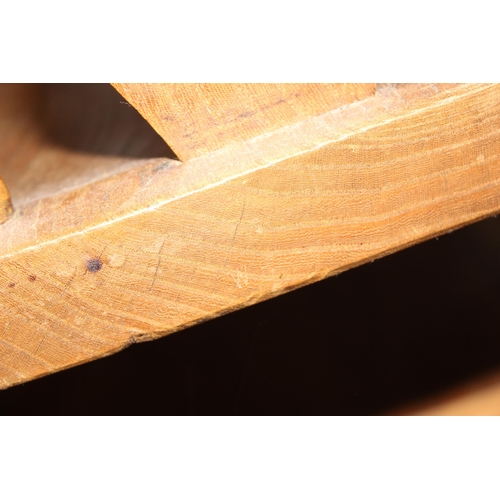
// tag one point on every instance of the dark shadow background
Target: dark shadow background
(94, 118)
(376, 337)
(366, 342)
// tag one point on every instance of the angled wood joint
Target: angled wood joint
(278, 186)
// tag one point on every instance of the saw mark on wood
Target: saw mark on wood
(6, 328)
(14, 347)
(157, 265)
(39, 345)
(230, 247)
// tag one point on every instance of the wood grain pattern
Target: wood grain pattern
(197, 119)
(167, 244)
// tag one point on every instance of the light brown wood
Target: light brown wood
(5, 202)
(475, 398)
(197, 119)
(51, 138)
(145, 252)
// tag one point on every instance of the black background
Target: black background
(365, 342)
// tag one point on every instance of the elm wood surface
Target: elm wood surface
(167, 244)
(197, 119)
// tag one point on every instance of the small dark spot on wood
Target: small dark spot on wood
(12, 285)
(94, 265)
(32, 277)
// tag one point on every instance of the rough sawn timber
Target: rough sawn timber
(167, 244)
